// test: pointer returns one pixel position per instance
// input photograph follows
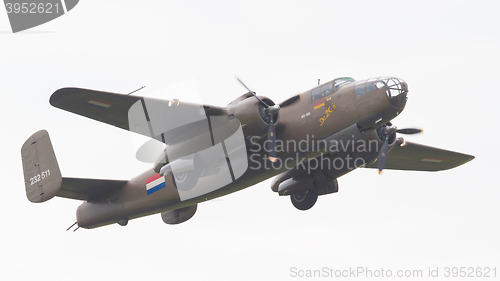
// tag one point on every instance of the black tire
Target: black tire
(185, 181)
(304, 200)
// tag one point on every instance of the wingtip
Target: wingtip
(60, 94)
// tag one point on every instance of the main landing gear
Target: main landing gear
(304, 200)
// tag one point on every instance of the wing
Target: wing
(171, 122)
(87, 189)
(145, 116)
(106, 107)
(417, 157)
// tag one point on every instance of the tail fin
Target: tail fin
(42, 177)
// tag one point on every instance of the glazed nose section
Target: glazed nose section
(397, 91)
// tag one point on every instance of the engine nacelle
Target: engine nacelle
(295, 185)
(285, 184)
(381, 135)
(252, 114)
(179, 165)
(180, 215)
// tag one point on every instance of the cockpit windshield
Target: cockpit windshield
(339, 82)
(330, 88)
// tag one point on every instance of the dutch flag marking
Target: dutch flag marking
(155, 183)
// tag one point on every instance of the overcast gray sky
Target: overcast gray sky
(447, 51)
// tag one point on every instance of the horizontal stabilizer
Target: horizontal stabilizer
(87, 189)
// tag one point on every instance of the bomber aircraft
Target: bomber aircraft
(200, 152)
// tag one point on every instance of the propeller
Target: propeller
(271, 132)
(389, 130)
(409, 131)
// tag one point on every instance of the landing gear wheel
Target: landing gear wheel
(304, 200)
(185, 181)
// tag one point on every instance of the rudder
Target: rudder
(42, 177)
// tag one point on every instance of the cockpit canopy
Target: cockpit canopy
(330, 88)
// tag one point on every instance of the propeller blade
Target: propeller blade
(271, 132)
(271, 137)
(409, 131)
(251, 92)
(382, 155)
(389, 130)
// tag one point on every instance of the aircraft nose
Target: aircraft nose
(397, 91)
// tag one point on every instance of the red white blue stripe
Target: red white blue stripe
(155, 183)
(100, 103)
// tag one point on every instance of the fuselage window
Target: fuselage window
(315, 94)
(380, 84)
(370, 87)
(326, 89)
(359, 90)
